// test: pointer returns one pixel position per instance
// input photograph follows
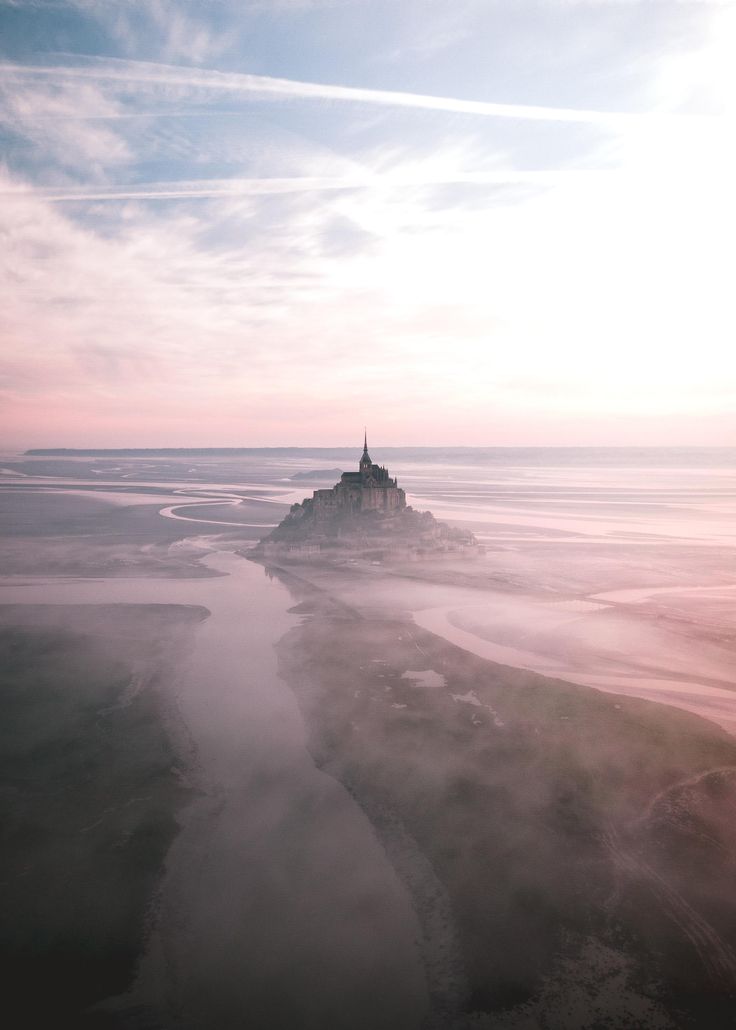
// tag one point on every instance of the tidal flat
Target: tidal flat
(444, 795)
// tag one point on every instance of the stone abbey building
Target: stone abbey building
(369, 489)
(364, 516)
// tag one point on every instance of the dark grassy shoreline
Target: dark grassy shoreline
(523, 454)
(92, 785)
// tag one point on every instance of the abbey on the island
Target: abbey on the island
(369, 489)
(364, 517)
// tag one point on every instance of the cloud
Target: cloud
(66, 124)
(159, 313)
(172, 29)
(322, 242)
(161, 76)
(275, 294)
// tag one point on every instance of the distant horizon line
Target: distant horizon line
(134, 451)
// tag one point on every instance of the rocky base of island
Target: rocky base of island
(402, 535)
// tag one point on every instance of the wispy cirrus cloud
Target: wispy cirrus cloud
(68, 125)
(178, 31)
(324, 241)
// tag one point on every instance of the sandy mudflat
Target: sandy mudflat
(673, 644)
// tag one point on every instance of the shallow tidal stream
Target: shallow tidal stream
(278, 906)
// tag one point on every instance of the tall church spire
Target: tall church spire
(365, 461)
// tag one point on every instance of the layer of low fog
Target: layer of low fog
(279, 902)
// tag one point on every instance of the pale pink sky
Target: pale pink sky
(504, 223)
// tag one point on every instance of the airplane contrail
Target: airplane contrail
(214, 188)
(150, 74)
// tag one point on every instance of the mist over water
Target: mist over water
(297, 888)
(277, 900)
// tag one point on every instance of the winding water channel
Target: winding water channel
(278, 907)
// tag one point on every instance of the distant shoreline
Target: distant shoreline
(543, 456)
